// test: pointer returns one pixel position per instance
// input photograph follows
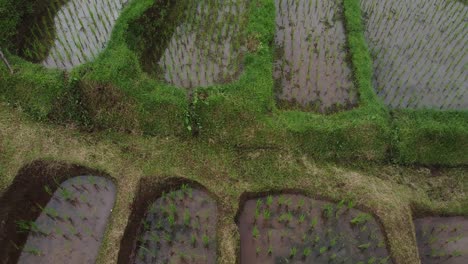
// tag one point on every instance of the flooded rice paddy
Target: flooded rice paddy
(207, 48)
(82, 30)
(179, 227)
(311, 67)
(420, 51)
(442, 239)
(293, 228)
(71, 226)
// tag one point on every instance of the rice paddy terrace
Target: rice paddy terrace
(191, 43)
(71, 225)
(207, 48)
(235, 131)
(80, 31)
(420, 52)
(179, 227)
(442, 239)
(312, 67)
(294, 228)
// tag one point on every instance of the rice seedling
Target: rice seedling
(32, 250)
(328, 211)
(364, 246)
(193, 240)
(313, 223)
(255, 232)
(206, 240)
(270, 250)
(361, 219)
(187, 218)
(301, 218)
(292, 252)
(269, 200)
(266, 215)
(323, 250)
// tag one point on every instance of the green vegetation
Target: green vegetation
(18, 19)
(149, 34)
(243, 142)
(113, 93)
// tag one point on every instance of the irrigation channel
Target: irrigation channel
(420, 51)
(82, 30)
(291, 228)
(207, 48)
(72, 224)
(311, 67)
(442, 239)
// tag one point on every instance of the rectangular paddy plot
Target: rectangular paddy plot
(81, 30)
(293, 228)
(207, 48)
(70, 227)
(177, 227)
(420, 52)
(442, 239)
(311, 68)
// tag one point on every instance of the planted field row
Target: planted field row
(62, 220)
(207, 48)
(295, 228)
(311, 68)
(80, 29)
(179, 227)
(70, 227)
(420, 52)
(442, 239)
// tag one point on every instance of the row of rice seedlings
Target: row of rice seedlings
(67, 217)
(206, 49)
(312, 66)
(420, 52)
(287, 221)
(179, 226)
(82, 29)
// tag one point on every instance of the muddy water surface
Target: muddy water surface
(207, 48)
(71, 225)
(83, 28)
(311, 67)
(297, 229)
(179, 227)
(442, 239)
(420, 51)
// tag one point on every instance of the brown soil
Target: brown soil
(23, 201)
(172, 222)
(442, 239)
(293, 228)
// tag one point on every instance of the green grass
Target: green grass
(242, 114)
(431, 137)
(388, 191)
